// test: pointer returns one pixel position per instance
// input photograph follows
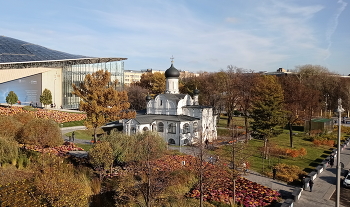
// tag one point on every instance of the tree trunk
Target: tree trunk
(95, 134)
(290, 134)
(229, 118)
(246, 127)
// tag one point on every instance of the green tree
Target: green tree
(101, 155)
(11, 98)
(266, 110)
(41, 132)
(101, 101)
(46, 97)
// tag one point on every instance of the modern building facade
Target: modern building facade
(28, 69)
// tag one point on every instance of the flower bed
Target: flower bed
(58, 116)
(61, 150)
(217, 184)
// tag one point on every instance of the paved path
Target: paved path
(66, 130)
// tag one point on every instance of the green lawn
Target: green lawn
(86, 147)
(84, 134)
(73, 123)
(308, 163)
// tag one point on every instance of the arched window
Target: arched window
(195, 126)
(171, 141)
(186, 128)
(172, 128)
(160, 127)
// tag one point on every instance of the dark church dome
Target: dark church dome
(196, 91)
(172, 72)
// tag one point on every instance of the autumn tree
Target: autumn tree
(296, 100)
(41, 132)
(46, 97)
(101, 101)
(212, 90)
(11, 98)
(266, 111)
(246, 82)
(231, 92)
(153, 82)
(137, 96)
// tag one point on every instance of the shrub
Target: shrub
(288, 173)
(40, 132)
(23, 117)
(9, 127)
(8, 150)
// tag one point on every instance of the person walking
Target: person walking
(274, 171)
(73, 136)
(311, 184)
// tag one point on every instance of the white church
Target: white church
(177, 117)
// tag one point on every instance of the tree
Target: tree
(246, 83)
(101, 101)
(40, 132)
(46, 97)
(296, 99)
(266, 110)
(231, 92)
(11, 98)
(154, 82)
(137, 97)
(101, 156)
(148, 146)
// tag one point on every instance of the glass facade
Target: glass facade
(76, 74)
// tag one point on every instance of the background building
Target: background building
(27, 69)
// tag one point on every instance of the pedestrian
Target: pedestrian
(211, 160)
(311, 183)
(73, 136)
(331, 162)
(206, 143)
(274, 171)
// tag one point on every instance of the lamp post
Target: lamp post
(339, 110)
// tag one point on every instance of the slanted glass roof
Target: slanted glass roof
(18, 53)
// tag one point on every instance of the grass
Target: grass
(84, 134)
(308, 163)
(239, 121)
(86, 147)
(73, 123)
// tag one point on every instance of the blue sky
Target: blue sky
(202, 35)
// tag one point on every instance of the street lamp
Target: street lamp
(339, 110)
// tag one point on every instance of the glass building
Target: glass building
(28, 69)
(75, 74)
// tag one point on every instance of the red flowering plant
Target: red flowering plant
(217, 183)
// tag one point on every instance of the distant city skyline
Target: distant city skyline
(202, 35)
